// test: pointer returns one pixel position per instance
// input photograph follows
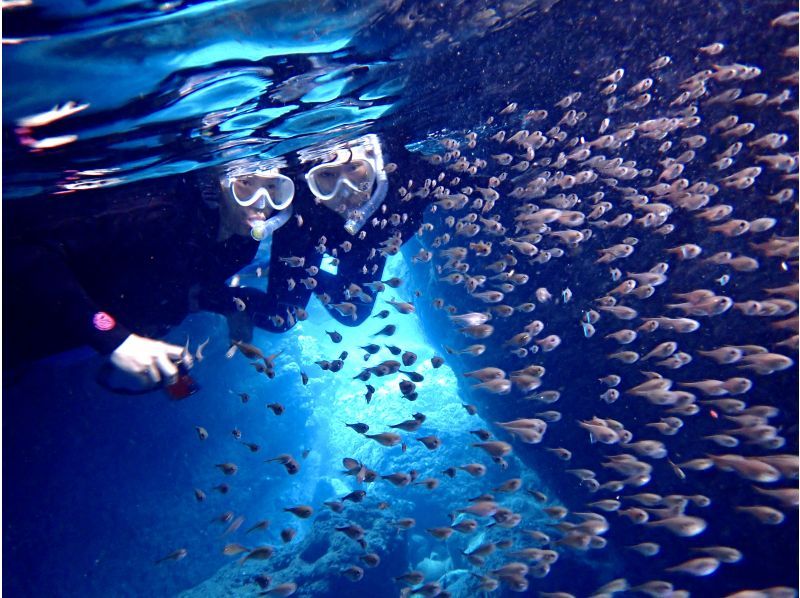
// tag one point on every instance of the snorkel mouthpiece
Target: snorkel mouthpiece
(261, 229)
(258, 230)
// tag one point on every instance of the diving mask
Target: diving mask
(326, 180)
(260, 188)
(354, 184)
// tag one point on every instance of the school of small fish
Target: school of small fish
(537, 184)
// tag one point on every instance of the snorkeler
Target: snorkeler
(119, 267)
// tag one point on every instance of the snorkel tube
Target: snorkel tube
(264, 228)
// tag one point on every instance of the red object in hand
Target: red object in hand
(183, 387)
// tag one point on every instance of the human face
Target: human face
(236, 219)
(251, 199)
(353, 184)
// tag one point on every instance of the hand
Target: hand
(154, 359)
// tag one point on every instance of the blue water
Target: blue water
(98, 486)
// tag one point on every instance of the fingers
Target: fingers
(166, 366)
(173, 351)
(152, 372)
(176, 353)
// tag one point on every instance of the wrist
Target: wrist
(106, 334)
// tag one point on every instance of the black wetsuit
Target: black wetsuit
(145, 253)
